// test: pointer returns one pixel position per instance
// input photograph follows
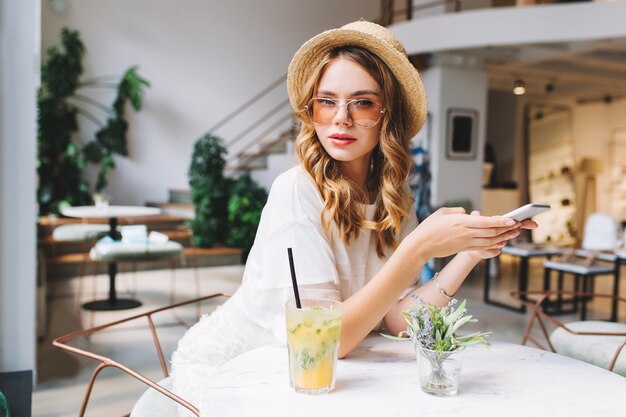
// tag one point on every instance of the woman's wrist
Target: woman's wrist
(414, 250)
(470, 256)
(420, 246)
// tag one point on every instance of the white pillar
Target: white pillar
(454, 84)
(19, 74)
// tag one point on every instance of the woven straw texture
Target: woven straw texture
(376, 39)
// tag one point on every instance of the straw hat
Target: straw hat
(374, 38)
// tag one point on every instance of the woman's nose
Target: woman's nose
(342, 116)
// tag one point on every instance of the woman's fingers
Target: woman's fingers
(529, 224)
(496, 240)
(494, 231)
(481, 222)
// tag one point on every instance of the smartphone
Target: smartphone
(527, 211)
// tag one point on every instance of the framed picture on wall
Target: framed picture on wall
(461, 134)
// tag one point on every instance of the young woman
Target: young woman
(345, 209)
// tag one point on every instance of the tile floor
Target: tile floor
(63, 377)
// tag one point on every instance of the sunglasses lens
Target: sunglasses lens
(365, 113)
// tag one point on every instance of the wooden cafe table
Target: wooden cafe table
(379, 379)
(112, 213)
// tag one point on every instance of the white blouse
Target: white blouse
(325, 267)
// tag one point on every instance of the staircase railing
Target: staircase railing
(248, 103)
(245, 138)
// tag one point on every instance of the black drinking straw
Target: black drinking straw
(293, 278)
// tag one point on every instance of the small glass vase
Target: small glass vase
(439, 372)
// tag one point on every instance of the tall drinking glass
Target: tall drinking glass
(313, 342)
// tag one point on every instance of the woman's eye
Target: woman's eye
(326, 102)
(364, 103)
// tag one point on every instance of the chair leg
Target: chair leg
(614, 305)
(559, 298)
(133, 291)
(585, 298)
(172, 286)
(79, 293)
(546, 287)
(94, 295)
(197, 279)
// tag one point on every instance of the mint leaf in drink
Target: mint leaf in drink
(304, 359)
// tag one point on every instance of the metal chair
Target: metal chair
(597, 342)
(105, 362)
(601, 234)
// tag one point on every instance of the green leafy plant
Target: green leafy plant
(61, 99)
(245, 206)
(227, 211)
(209, 191)
(435, 328)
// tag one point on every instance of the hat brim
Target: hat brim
(312, 52)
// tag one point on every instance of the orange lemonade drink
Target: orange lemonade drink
(313, 342)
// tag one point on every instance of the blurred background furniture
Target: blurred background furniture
(601, 233)
(64, 343)
(112, 213)
(597, 342)
(551, 172)
(523, 251)
(70, 237)
(590, 168)
(134, 252)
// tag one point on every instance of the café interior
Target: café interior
(526, 104)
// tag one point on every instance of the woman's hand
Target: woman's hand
(477, 255)
(450, 230)
(490, 253)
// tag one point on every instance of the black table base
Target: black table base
(111, 305)
(522, 281)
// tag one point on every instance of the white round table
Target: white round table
(112, 213)
(109, 212)
(380, 379)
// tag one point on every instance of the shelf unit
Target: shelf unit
(551, 178)
(618, 174)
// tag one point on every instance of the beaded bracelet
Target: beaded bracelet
(443, 292)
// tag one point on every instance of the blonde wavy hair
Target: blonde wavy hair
(390, 167)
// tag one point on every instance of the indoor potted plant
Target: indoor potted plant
(438, 347)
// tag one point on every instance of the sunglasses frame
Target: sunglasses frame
(309, 110)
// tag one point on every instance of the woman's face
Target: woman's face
(344, 140)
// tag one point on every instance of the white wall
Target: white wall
(455, 88)
(203, 58)
(19, 64)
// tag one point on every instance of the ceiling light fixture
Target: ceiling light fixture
(519, 88)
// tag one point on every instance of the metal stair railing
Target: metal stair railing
(388, 15)
(266, 148)
(274, 110)
(247, 104)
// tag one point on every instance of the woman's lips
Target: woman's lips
(339, 139)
